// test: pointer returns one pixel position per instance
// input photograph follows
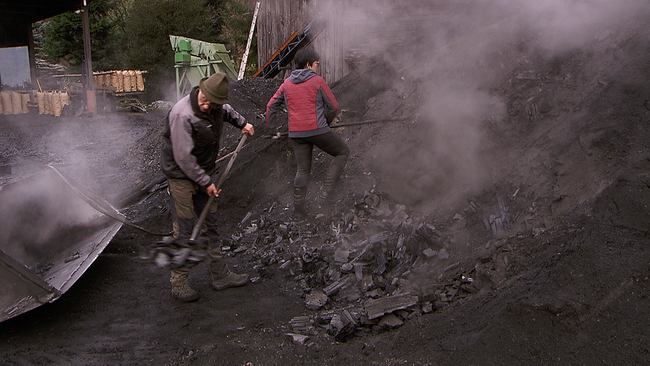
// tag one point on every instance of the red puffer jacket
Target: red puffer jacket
(310, 103)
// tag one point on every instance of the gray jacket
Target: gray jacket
(191, 139)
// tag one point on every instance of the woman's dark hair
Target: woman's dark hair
(304, 57)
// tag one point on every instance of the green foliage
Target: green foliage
(63, 35)
(146, 36)
(237, 16)
(134, 34)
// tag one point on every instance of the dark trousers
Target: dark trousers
(188, 201)
(303, 149)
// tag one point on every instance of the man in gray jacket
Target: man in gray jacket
(189, 153)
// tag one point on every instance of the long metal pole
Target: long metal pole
(242, 67)
(280, 134)
(204, 213)
(91, 101)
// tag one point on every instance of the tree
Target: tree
(237, 16)
(147, 28)
(129, 34)
(62, 39)
(150, 22)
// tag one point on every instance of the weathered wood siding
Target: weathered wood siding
(279, 19)
(331, 45)
(353, 28)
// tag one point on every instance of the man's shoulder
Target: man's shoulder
(182, 107)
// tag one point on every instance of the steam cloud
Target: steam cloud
(454, 52)
(41, 215)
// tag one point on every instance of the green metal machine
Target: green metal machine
(195, 60)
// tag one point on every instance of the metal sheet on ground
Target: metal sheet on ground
(49, 236)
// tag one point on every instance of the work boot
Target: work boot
(231, 280)
(184, 293)
(181, 289)
(299, 197)
(223, 278)
(329, 184)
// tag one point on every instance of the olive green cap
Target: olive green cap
(216, 88)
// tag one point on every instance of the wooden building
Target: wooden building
(279, 19)
(351, 29)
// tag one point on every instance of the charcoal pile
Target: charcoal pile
(367, 268)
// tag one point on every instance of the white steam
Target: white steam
(457, 52)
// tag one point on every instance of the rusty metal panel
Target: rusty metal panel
(49, 236)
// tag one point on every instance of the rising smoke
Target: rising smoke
(456, 54)
(42, 215)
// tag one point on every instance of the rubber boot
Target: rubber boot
(329, 185)
(181, 289)
(222, 276)
(299, 197)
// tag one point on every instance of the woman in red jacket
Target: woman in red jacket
(311, 107)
